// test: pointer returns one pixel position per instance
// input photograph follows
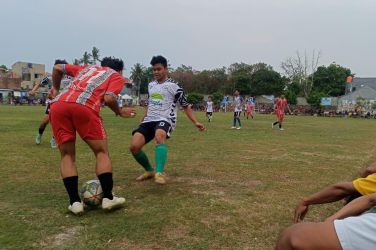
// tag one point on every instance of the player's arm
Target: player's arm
(355, 207)
(34, 89)
(182, 99)
(189, 113)
(329, 194)
(110, 97)
(57, 75)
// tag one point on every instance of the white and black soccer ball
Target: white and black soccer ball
(91, 193)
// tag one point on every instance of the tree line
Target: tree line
(301, 77)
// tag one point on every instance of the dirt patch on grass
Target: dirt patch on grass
(61, 240)
(192, 180)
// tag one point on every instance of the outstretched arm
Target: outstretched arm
(329, 194)
(355, 207)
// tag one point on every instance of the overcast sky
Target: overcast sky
(204, 34)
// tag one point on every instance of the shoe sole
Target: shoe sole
(160, 182)
(145, 179)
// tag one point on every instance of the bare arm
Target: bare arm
(111, 102)
(355, 207)
(57, 76)
(189, 113)
(35, 88)
(369, 170)
(329, 194)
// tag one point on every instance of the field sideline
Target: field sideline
(227, 189)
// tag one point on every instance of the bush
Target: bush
(195, 98)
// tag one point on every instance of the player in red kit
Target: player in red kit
(280, 106)
(76, 109)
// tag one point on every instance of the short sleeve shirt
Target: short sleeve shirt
(163, 101)
(90, 84)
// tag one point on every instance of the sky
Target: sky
(204, 34)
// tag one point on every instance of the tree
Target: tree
(266, 82)
(301, 68)
(314, 99)
(331, 80)
(292, 92)
(3, 67)
(76, 62)
(95, 54)
(217, 97)
(195, 98)
(86, 58)
(137, 72)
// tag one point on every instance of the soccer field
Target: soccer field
(227, 189)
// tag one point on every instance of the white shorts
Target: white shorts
(357, 233)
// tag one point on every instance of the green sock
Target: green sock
(144, 161)
(160, 157)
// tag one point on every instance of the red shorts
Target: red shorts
(280, 114)
(67, 118)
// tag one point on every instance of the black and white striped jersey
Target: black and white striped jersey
(164, 99)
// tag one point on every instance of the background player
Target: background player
(250, 108)
(209, 109)
(47, 82)
(280, 107)
(76, 109)
(160, 120)
(238, 102)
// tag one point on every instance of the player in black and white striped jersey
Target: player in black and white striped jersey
(47, 82)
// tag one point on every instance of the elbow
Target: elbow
(58, 68)
(372, 199)
(344, 187)
(108, 99)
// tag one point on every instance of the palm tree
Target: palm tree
(76, 62)
(86, 58)
(137, 73)
(95, 55)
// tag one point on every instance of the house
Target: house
(360, 89)
(30, 73)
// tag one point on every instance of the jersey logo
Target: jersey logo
(157, 96)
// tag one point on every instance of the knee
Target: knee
(160, 138)
(290, 240)
(134, 149)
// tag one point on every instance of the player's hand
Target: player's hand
(52, 93)
(127, 112)
(200, 126)
(31, 93)
(300, 212)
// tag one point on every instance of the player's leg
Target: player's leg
(41, 129)
(309, 236)
(281, 117)
(104, 173)
(238, 119)
(234, 121)
(65, 135)
(141, 136)
(161, 133)
(69, 174)
(276, 122)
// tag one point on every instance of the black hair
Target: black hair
(159, 59)
(113, 63)
(60, 61)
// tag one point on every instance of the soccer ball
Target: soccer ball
(91, 193)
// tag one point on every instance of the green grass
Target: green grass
(227, 189)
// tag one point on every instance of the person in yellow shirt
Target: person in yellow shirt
(344, 190)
